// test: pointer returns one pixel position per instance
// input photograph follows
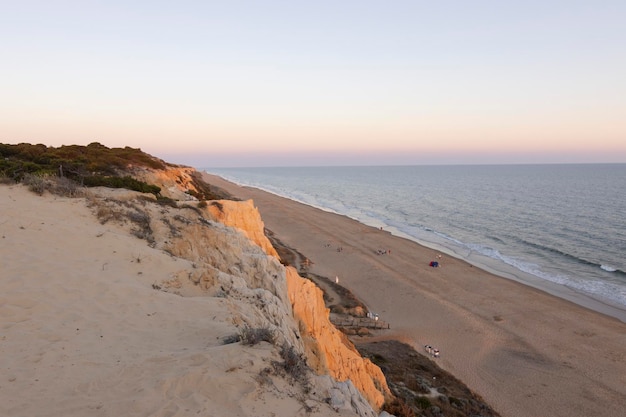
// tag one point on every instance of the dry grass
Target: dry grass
(133, 211)
(66, 187)
(293, 366)
(35, 183)
(252, 336)
(62, 186)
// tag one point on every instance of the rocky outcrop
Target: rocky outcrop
(176, 182)
(245, 217)
(229, 265)
(328, 350)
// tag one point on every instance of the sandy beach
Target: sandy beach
(528, 353)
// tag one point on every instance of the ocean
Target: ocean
(550, 226)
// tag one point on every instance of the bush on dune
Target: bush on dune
(91, 165)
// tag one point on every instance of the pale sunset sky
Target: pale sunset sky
(293, 83)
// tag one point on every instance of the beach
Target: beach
(526, 352)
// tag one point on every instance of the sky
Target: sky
(297, 83)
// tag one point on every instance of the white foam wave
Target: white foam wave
(608, 268)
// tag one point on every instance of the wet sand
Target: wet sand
(526, 352)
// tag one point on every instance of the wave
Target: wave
(611, 290)
(547, 249)
(605, 289)
(570, 257)
(495, 239)
(609, 268)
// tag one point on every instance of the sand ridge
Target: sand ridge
(527, 353)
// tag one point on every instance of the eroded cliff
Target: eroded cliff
(246, 266)
(176, 182)
(247, 291)
(327, 349)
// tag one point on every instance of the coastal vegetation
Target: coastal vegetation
(72, 160)
(94, 165)
(91, 166)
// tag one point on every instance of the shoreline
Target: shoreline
(525, 351)
(489, 265)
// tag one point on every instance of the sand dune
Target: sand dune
(526, 352)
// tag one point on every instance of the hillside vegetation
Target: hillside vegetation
(90, 166)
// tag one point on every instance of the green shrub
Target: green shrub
(94, 161)
(121, 182)
(423, 403)
(166, 201)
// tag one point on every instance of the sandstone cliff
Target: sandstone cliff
(245, 217)
(248, 290)
(176, 182)
(327, 350)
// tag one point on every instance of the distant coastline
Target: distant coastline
(477, 259)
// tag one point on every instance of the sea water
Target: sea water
(560, 225)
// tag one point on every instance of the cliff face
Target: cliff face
(245, 292)
(174, 181)
(246, 266)
(327, 350)
(245, 217)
